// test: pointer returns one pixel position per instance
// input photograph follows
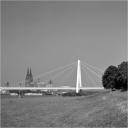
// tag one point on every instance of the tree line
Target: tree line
(116, 77)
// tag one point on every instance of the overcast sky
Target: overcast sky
(46, 35)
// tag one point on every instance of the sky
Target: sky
(46, 35)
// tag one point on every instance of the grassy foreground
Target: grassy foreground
(102, 109)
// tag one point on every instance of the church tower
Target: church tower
(29, 78)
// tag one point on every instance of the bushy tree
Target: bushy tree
(121, 78)
(108, 79)
(116, 77)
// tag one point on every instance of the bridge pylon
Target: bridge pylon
(78, 82)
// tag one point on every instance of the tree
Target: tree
(108, 78)
(116, 77)
(121, 77)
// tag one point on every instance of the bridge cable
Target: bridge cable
(51, 71)
(93, 67)
(89, 77)
(69, 74)
(86, 67)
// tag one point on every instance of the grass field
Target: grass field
(101, 109)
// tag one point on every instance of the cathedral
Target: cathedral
(29, 78)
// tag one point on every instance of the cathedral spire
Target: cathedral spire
(31, 76)
(27, 75)
(30, 71)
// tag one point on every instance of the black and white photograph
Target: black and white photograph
(63, 64)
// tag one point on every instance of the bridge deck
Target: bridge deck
(48, 88)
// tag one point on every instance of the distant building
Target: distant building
(29, 78)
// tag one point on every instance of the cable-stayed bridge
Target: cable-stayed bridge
(75, 76)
